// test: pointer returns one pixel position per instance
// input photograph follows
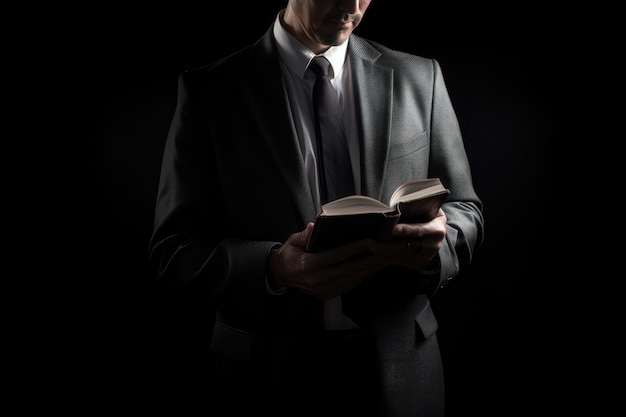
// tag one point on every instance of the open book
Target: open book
(357, 216)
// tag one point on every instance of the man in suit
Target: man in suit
(300, 333)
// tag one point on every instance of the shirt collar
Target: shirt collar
(297, 56)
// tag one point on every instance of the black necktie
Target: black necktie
(333, 157)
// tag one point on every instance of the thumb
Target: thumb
(302, 238)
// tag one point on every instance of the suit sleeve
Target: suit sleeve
(192, 245)
(449, 161)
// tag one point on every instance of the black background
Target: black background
(121, 342)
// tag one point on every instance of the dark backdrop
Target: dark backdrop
(498, 326)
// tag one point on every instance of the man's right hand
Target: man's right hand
(325, 274)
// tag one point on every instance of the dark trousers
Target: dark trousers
(324, 373)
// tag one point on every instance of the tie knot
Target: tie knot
(320, 66)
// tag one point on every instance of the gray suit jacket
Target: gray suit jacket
(233, 185)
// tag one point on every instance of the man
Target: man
(300, 333)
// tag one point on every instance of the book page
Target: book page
(416, 189)
(354, 204)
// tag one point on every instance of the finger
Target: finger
(342, 252)
(303, 236)
(394, 248)
(414, 245)
(350, 274)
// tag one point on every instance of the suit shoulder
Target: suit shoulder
(213, 76)
(237, 65)
(225, 65)
(401, 58)
(394, 58)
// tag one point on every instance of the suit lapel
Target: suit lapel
(373, 87)
(268, 94)
(373, 92)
